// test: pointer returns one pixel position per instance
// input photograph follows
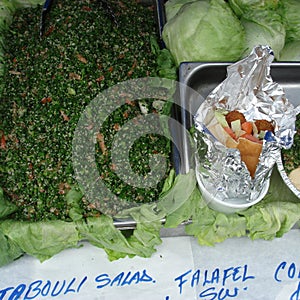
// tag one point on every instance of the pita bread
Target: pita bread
(222, 136)
(250, 151)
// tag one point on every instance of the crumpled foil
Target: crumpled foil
(250, 89)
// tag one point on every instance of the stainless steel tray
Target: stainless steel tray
(165, 232)
(199, 79)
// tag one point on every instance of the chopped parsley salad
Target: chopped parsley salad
(291, 157)
(48, 83)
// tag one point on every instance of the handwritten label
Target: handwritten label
(215, 284)
(45, 288)
(40, 288)
(123, 279)
(176, 272)
(289, 272)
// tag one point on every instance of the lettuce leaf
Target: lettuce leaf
(271, 220)
(102, 233)
(263, 27)
(204, 31)
(211, 227)
(291, 19)
(240, 7)
(6, 207)
(73, 198)
(290, 51)
(180, 201)
(278, 213)
(26, 3)
(40, 239)
(9, 250)
(166, 66)
(180, 192)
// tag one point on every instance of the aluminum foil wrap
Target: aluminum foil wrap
(249, 89)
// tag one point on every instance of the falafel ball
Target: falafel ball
(264, 125)
(235, 115)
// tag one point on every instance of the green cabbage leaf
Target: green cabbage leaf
(291, 18)
(218, 30)
(204, 31)
(290, 51)
(240, 7)
(263, 27)
(173, 6)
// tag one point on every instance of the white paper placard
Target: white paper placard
(179, 270)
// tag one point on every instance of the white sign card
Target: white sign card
(180, 270)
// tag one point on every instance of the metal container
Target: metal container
(204, 77)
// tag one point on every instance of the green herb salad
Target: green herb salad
(291, 160)
(291, 157)
(47, 83)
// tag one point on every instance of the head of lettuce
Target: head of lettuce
(204, 31)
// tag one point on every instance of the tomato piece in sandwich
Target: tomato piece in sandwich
(247, 127)
(252, 138)
(230, 132)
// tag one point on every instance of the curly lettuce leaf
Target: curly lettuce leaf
(6, 207)
(271, 220)
(278, 213)
(190, 201)
(73, 198)
(102, 233)
(180, 201)
(211, 227)
(40, 239)
(180, 192)
(166, 66)
(9, 250)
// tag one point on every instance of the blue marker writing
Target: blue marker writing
(215, 277)
(222, 294)
(286, 270)
(40, 288)
(296, 294)
(182, 280)
(123, 279)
